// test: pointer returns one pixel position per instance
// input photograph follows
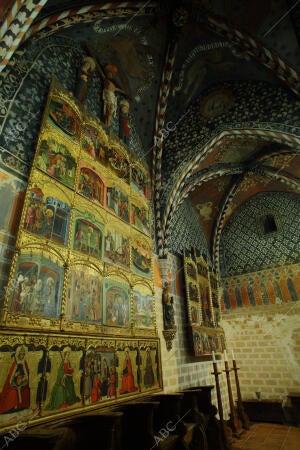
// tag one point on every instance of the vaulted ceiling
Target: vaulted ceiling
(213, 85)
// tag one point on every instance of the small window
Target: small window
(269, 224)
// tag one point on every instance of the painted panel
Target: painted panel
(118, 163)
(62, 116)
(19, 382)
(140, 217)
(117, 303)
(117, 202)
(149, 366)
(37, 286)
(91, 185)
(84, 302)
(117, 247)
(93, 142)
(144, 314)
(99, 377)
(141, 257)
(55, 159)
(64, 376)
(88, 237)
(128, 368)
(47, 215)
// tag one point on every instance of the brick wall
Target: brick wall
(266, 343)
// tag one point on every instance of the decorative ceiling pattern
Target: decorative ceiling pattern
(251, 185)
(253, 250)
(186, 231)
(256, 105)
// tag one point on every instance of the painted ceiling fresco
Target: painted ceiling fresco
(221, 75)
(207, 199)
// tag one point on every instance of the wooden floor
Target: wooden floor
(268, 436)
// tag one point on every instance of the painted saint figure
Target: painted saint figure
(127, 385)
(149, 375)
(15, 395)
(63, 393)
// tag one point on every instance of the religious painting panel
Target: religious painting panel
(57, 160)
(64, 116)
(193, 291)
(94, 142)
(200, 343)
(128, 361)
(149, 375)
(35, 290)
(65, 367)
(207, 314)
(139, 181)
(118, 162)
(91, 184)
(206, 340)
(204, 290)
(99, 375)
(143, 306)
(84, 295)
(141, 256)
(47, 212)
(116, 296)
(88, 233)
(139, 215)
(195, 314)
(117, 201)
(117, 245)
(19, 381)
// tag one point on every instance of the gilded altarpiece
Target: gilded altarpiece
(201, 286)
(78, 326)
